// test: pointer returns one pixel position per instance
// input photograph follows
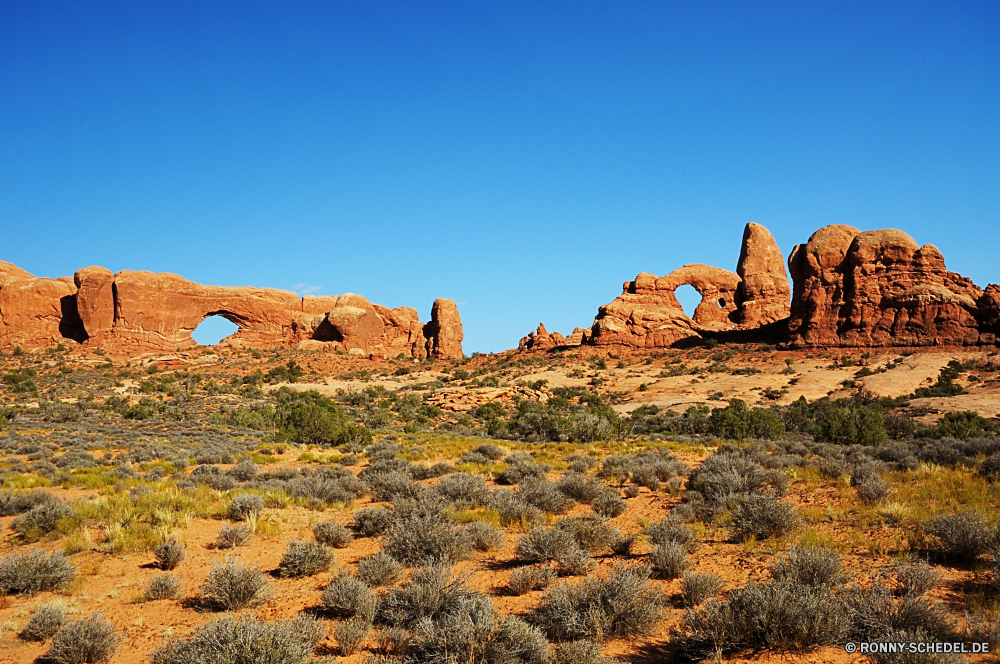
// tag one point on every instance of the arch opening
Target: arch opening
(689, 298)
(213, 329)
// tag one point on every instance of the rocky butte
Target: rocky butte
(140, 311)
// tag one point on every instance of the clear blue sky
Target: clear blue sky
(523, 159)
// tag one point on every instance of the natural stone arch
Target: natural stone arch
(718, 289)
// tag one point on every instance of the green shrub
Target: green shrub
(305, 559)
(244, 640)
(35, 571)
(739, 422)
(857, 424)
(232, 586)
(620, 605)
(962, 424)
(90, 640)
(44, 623)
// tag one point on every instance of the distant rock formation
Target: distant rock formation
(648, 315)
(878, 288)
(134, 311)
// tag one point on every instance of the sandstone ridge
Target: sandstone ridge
(138, 311)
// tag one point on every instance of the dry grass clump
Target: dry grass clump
(379, 569)
(332, 534)
(233, 585)
(35, 571)
(305, 559)
(162, 586)
(90, 640)
(169, 554)
(44, 623)
(232, 640)
(232, 536)
(619, 605)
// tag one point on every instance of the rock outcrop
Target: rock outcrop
(134, 311)
(878, 288)
(541, 339)
(648, 315)
(764, 294)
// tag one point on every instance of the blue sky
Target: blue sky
(523, 159)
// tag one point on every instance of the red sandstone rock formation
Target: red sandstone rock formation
(141, 311)
(877, 288)
(764, 293)
(541, 339)
(36, 311)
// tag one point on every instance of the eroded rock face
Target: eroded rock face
(764, 292)
(878, 288)
(142, 311)
(541, 339)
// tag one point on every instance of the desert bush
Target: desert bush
(696, 587)
(779, 616)
(332, 534)
(379, 569)
(669, 560)
(965, 535)
(41, 519)
(162, 586)
(432, 592)
(393, 641)
(32, 572)
(623, 545)
(525, 579)
(352, 634)
(671, 530)
(609, 504)
(473, 632)
(574, 562)
(244, 505)
(392, 485)
(347, 597)
(579, 487)
(544, 544)
(591, 533)
(726, 474)
(244, 640)
(91, 640)
(833, 468)
(463, 490)
(631, 491)
(427, 536)
(917, 577)
(44, 623)
(485, 537)
(581, 652)
(245, 470)
(169, 554)
(544, 495)
(619, 605)
(990, 468)
(872, 489)
(512, 508)
(305, 559)
(810, 566)
(232, 586)
(12, 504)
(372, 521)
(875, 615)
(763, 516)
(490, 451)
(230, 537)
